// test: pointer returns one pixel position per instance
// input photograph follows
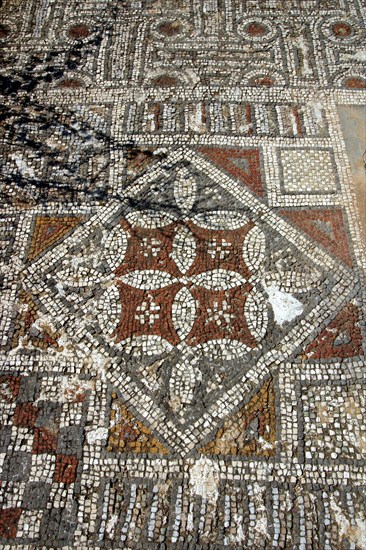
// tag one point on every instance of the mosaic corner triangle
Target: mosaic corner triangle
(249, 432)
(128, 435)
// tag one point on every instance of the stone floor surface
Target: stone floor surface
(182, 315)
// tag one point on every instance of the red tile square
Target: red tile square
(65, 471)
(9, 518)
(9, 388)
(44, 441)
(25, 415)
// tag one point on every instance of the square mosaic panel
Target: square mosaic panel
(199, 287)
(339, 407)
(308, 171)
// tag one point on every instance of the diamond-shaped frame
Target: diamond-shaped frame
(183, 439)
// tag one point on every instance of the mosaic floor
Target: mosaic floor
(182, 315)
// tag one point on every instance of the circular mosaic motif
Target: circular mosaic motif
(70, 83)
(341, 29)
(346, 30)
(79, 31)
(169, 28)
(4, 31)
(257, 30)
(164, 81)
(262, 81)
(355, 82)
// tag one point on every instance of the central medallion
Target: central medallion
(181, 284)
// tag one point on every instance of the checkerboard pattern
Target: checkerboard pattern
(308, 171)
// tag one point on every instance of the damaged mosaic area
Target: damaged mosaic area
(182, 321)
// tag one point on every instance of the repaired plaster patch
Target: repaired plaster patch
(285, 306)
(100, 434)
(204, 480)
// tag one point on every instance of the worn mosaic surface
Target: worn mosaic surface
(182, 316)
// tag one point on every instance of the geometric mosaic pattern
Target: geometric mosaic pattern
(306, 171)
(182, 334)
(187, 289)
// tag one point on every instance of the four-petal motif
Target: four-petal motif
(183, 282)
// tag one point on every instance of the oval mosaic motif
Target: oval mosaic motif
(185, 190)
(345, 30)
(184, 249)
(183, 312)
(254, 248)
(218, 279)
(109, 310)
(78, 31)
(256, 315)
(220, 220)
(79, 276)
(138, 346)
(225, 349)
(150, 219)
(115, 247)
(148, 279)
(257, 29)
